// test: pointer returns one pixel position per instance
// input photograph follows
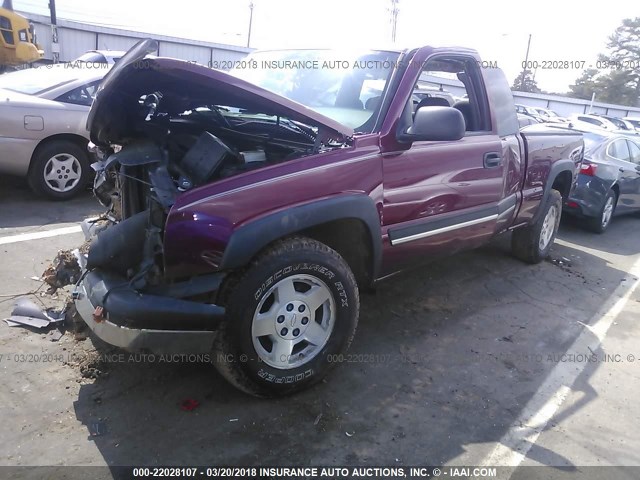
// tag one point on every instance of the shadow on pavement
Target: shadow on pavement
(20, 207)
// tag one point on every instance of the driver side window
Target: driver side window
(454, 81)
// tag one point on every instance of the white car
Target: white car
(43, 133)
(550, 115)
(633, 121)
(579, 121)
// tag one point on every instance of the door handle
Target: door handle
(492, 160)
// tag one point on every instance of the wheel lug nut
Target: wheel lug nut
(301, 308)
(280, 319)
(289, 307)
(296, 332)
(305, 320)
(284, 331)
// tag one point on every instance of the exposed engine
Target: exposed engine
(168, 154)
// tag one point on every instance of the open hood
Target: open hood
(183, 85)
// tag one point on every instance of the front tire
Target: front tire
(532, 244)
(60, 169)
(600, 223)
(290, 316)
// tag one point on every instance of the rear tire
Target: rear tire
(60, 169)
(290, 315)
(532, 244)
(600, 223)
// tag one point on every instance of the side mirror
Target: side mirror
(435, 124)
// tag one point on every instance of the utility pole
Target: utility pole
(250, 23)
(55, 46)
(526, 60)
(593, 99)
(394, 19)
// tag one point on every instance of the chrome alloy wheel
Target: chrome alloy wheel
(548, 227)
(293, 321)
(607, 212)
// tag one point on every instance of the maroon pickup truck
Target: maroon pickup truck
(245, 210)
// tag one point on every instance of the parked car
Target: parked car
(550, 115)
(108, 57)
(252, 207)
(634, 121)
(530, 111)
(43, 133)
(609, 180)
(584, 121)
(526, 120)
(622, 125)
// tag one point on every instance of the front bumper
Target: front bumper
(136, 321)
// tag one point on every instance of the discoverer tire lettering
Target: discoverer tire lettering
(298, 260)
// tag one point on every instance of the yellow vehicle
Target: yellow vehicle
(17, 42)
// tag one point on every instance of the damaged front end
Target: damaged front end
(160, 128)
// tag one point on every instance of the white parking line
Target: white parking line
(524, 432)
(23, 237)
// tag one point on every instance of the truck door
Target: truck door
(444, 196)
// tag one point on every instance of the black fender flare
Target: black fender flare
(564, 165)
(249, 239)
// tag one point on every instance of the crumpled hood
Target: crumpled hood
(184, 85)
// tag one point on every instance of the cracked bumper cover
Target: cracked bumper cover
(138, 321)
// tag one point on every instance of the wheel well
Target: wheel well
(562, 183)
(79, 140)
(351, 239)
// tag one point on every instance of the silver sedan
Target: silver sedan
(43, 135)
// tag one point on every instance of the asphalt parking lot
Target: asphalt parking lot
(474, 359)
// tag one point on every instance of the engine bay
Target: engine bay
(173, 153)
(167, 153)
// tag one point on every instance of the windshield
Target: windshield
(344, 87)
(33, 81)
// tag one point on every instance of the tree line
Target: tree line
(617, 80)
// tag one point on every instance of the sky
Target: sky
(561, 30)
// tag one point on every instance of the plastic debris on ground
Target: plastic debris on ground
(27, 313)
(97, 429)
(55, 335)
